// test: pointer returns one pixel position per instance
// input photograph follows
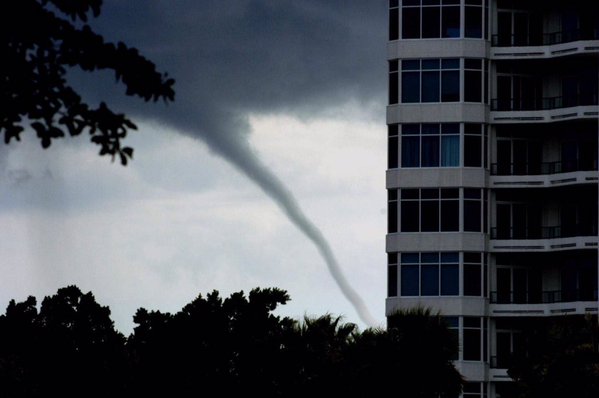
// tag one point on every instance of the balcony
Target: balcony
(542, 297)
(542, 104)
(543, 168)
(546, 39)
(544, 174)
(545, 109)
(543, 239)
(543, 46)
(539, 232)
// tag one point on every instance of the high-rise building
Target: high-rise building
(492, 170)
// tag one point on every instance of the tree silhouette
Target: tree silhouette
(69, 349)
(40, 40)
(562, 359)
(230, 346)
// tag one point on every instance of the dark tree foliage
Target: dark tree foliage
(562, 359)
(234, 346)
(69, 349)
(419, 344)
(39, 41)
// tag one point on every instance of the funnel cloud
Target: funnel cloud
(233, 59)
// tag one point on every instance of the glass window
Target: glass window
(438, 273)
(450, 145)
(430, 86)
(410, 214)
(410, 151)
(392, 211)
(392, 274)
(450, 215)
(472, 344)
(430, 280)
(450, 24)
(472, 274)
(393, 21)
(473, 20)
(431, 22)
(429, 216)
(450, 86)
(473, 84)
(392, 145)
(393, 81)
(431, 80)
(410, 22)
(430, 145)
(410, 87)
(472, 280)
(430, 213)
(473, 145)
(472, 210)
(432, 19)
(450, 279)
(453, 324)
(410, 280)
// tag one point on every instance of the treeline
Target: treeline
(215, 346)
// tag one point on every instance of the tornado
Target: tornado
(238, 152)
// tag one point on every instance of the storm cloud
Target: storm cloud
(232, 59)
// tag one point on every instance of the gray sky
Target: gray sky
(274, 99)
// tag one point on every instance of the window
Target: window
(473, 19)
(473, 210)
(429, 210)
(473, 275)
(437, 145)
(430, 80)
(393, 81)
(430, 274)
(473, 82)
(453, 324)
(472, 342)
(430, 145)
(429, 19)
(472, 334)
(437, 80)
(392, 211)
(436, 210)
(392, 146)
(423, 19)
(392, 274)
(437, 274)
(475, 148)
(393, 20)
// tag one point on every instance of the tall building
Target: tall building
(492, 170)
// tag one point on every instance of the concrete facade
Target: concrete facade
(492, 175)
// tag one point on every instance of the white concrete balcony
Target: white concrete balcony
(543, 46)
(542, 238)
(544, 110)
(544, 309)
(545, 174)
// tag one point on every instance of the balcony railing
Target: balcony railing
(542, 297)
(539, 232)
(546, 39)
(543, 168)
(542, 104)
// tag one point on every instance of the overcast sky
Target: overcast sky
(278, 103)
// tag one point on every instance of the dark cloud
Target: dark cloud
(234, 58)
